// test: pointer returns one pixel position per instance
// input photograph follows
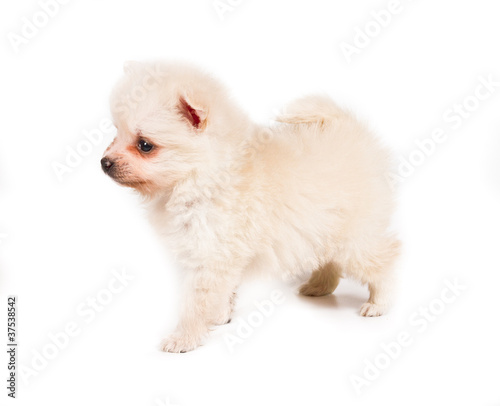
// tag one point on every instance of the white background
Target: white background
(60, 240)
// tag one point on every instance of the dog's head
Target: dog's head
(172, 120)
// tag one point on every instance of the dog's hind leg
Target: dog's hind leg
(375, 267)
(323, 281)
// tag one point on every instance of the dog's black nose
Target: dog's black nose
(106, 164)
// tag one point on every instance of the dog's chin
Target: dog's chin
(144, 187)
(127, 182)
(130, 183)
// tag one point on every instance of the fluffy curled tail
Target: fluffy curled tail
(310, 109)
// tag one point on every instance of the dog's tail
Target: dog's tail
(310, 109)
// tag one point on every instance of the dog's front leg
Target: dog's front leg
(208, 292)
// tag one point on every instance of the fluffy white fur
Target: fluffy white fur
(230, 197)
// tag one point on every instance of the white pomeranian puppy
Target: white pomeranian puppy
(230, 197)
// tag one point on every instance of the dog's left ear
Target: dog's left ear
(193, 113)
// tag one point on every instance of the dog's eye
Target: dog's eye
(145, 146)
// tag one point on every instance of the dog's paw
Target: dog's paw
(372, 310)
(223, 319)
(178, 342)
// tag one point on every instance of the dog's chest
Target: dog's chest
(194, 231)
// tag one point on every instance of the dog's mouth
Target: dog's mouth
(144, 188)
(118, 172)
(123, 176)
(123, 180)
(138, 184)
(130, 183)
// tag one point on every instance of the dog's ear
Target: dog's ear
(193, 113)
